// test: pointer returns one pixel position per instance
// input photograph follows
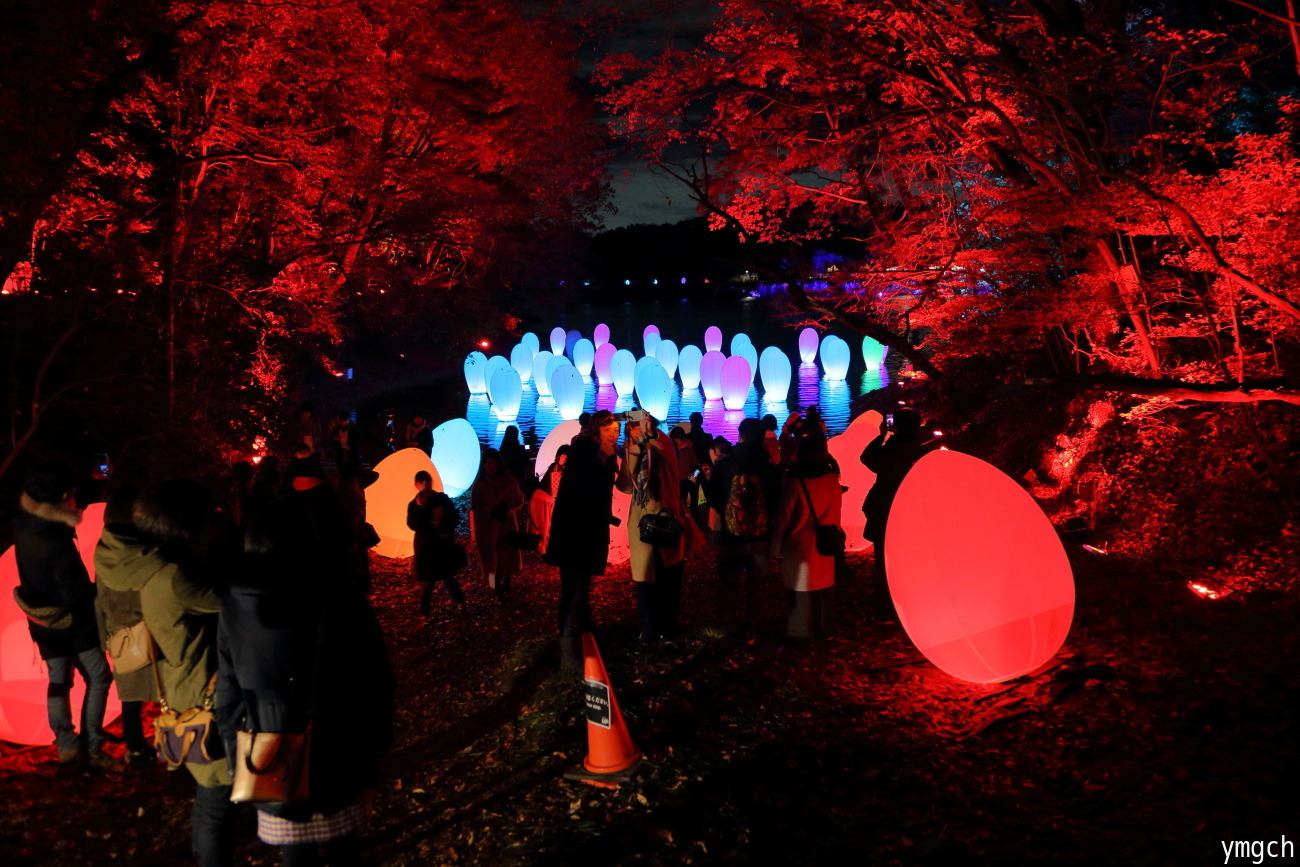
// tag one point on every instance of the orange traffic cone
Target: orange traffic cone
(612, 758)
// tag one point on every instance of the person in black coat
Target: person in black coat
(433, 516)
(55, 592)
(298, 647)
(890, 455)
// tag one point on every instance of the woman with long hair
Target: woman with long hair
(493, 500)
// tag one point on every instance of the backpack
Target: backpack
(745, 516)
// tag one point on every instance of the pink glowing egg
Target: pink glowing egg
(735, 380)
(600, 336)
(808, 341)
(603, 362)
(980, 579)
(561, 435)
(387, 497)
(713, 339)
(847, 448)
(711, 374)
(23, 678)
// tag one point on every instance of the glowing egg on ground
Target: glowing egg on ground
(808, 340)
(570, 339)
(654, 389)
(650, 339)
(738, 340)
(774, 367)
(835, 357)
(495, 363)
(558, 335)
(456, 454)
(521, 359)
(873, 353)
(711, 374)
(847, 451)
(475, 368)
(978, 575)
(600, 336)
(23, 678)
(735, 380)
(622, 368)
(666, 354)
(750, 354)
(584, 356)
(713, 339)
(531, 340)
(567, 389)
(506, 391)
(561, 435)
(619, 552)
(387, 497)
(540, 360)
(688, 366)
(601, 366)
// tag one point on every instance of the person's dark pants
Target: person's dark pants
(666, 599)
(212, 827)
(809, 613)
(133, 727)
(645, 605)
(93, 667)
(733, 559)
(884, 603)
(575, 602)
(339, 852)
(453, 590)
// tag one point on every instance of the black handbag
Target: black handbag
(661, 530)
(522, 540)
(830, 538)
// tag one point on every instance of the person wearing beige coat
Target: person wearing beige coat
(810, 495)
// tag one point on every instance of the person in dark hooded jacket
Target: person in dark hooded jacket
(890, 456)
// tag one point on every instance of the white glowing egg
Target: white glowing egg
(531, 340)
(521, 359)
(990, 596)
(600, 336)
(835, 357)
(557, 340)
(713, 339)
(667, 356)
(847, 448)
(506, 391)
(688, 366)
(738, 340)
(750, 354)
(456, 455)
(584, 356)
(543, 383)
(495, 363)
(601, 366)
(808, 340)
(651, 339)
(561, 435)
(388, 495)
(554, 363)
(475, 368)
(774, 366)
(735, 380)
(567, 389)
(873, 353)
(654, 389)
(622, 369)
(711, 374)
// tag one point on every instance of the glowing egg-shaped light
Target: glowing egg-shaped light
(558, 336)
(738, 340)
(713, 339)
(654, 389)
(521, 359)
(571, 339)
(873, 353)
(651, 339)
(475, 368)
(540, 360)
(561, 435)
(808, 341)
(584, 356)
(23, 680)
(688, 365)
(835, 357)
(600, 336)
(506, 391)
(619, 552)
(567, 389)
(774, 367)
(990, 597)
(455, 454)
(532, 341)
(554, 363)
(847, 448)
(735, 380)
(495, 363)
(750, 354)
(387, 497)
(622, 368)
(666, 355)
(601, 366)
(711, 374)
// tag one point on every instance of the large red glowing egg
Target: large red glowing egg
(847, 448)
(388, 496)
(23, 678)
(978, 575)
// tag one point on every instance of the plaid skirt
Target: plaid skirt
(318, 829)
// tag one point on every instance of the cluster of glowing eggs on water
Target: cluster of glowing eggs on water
(622, 369)
(388, 496)
(713, 339)
(455, 455)
(654, 390)
(835, 357)
(521, 359)
(506, 392)
(979, 577)
(873, 353)
(567, 388)
(688, 366)
(584, 356)
(600, 336)
(23, 680)
(650, 340)
(666, 354)
(735, 381)
(558, 336)
(847, 448)
(560, 435)
(475, 368)
(711, 374)
(540, 379)
(774, 367)
(808, 342)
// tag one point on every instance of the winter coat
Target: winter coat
(794, 537)
(121, 550)
(890, 460)
(494, 500)
(580, 523)
(745, 459)
(663, 493)
(274, 622)
(52, 576)
(434, 518)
